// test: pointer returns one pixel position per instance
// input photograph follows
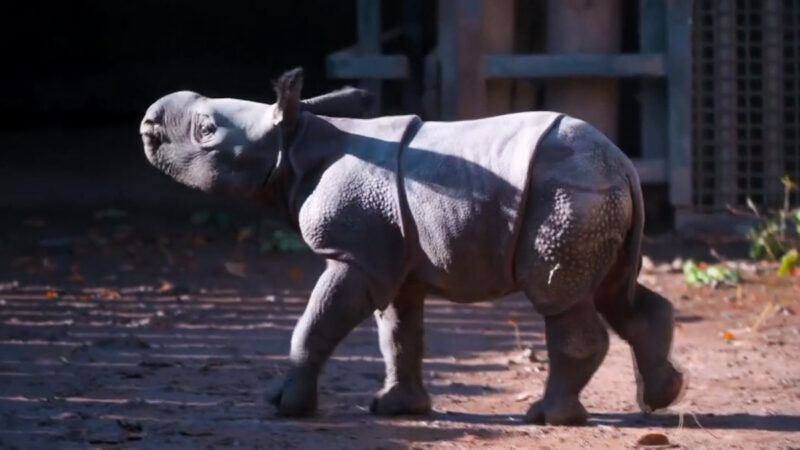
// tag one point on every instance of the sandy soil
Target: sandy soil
(133, 333)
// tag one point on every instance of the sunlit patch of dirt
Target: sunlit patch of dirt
(161, 344)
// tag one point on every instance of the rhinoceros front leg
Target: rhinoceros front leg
(338, 303)
(401, 333)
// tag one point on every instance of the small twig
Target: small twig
(697, 421)
(716, 255)
(513, 323)
(740, 212)
(761, 317)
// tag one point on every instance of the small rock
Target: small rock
(647, 264)
(523, 396)
(533, 356)
(677, 265)
(664, 268)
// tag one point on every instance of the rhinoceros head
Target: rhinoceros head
(221, 145)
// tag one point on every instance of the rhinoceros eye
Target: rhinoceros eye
(205, 128)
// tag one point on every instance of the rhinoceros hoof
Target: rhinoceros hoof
(294, 396)
(556, 412)
(400, 400)
(661, 388)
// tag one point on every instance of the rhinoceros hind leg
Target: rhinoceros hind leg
(647, 326)
(577, 342)
(401, 333)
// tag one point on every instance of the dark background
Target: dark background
(80, 74)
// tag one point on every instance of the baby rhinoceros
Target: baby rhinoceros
(537, 202)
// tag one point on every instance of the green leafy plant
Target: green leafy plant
(789, 263)
(777, 236)
(282, 241)
(707, 275)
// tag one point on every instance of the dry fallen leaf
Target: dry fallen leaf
(244, 234)
(166, 287)
(235, 268)
(109, 294)
(523, 396)
(653, 440)
(75, 274)
(728, 336)
(296, 275)
(35, 222)
(198, 240)
(51, 294)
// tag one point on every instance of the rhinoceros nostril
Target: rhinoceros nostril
(151, 136)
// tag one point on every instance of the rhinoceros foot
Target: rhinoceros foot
(398, 400)
(661, 387)
(557, 412)
(294, 396)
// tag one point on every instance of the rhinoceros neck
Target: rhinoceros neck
(328, 152)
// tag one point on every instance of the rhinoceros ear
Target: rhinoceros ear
(287, 108)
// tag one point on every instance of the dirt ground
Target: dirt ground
(148, 331)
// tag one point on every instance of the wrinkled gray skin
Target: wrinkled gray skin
(535, 202)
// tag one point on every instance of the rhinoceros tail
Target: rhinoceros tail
(635, 233)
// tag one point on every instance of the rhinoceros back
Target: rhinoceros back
(465, 182)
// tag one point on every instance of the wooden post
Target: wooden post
(498, 37)
(369, 42)
(678, 17)
(463, 93)
(580, 26)
(413, 41)
(774, 164)
(653, 39)
(725, 138)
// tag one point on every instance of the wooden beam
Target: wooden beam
(463, 93)
(653, 39)
(774, 94)
(575, 65)
(348, 63)
(368, 17)
(678, 17)
(651, 170)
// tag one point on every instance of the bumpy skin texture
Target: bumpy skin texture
(535, 202)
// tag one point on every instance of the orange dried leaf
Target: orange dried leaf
(296, 275)
(35, 222)
(75, 275)
(166, 287)
(110, 294)
(728, 336)
(51, 294)
(244, 234)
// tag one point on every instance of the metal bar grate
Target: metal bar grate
(791, 92)
(746, 101)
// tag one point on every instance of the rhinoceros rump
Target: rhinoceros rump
(537, 202)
